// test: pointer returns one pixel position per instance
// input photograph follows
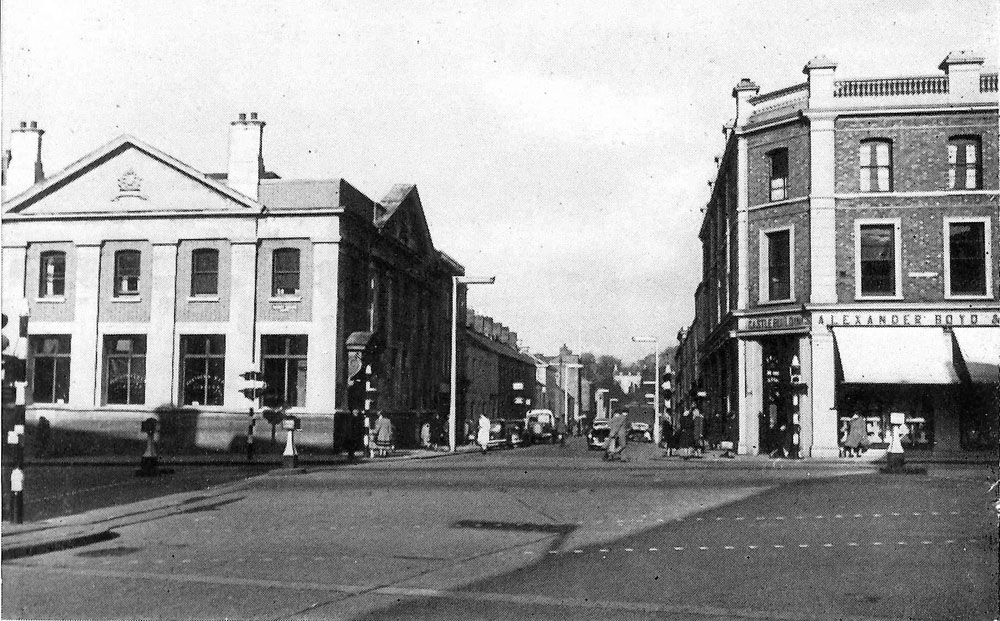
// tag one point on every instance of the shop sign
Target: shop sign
(772, 322)
(936, 318)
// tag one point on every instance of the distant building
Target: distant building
(499, 378)
(562, 385)
(852, 229)
(153, 286)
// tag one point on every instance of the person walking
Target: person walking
(561, 431)
(697, 432)
(483, 433)
(687, 433)
(668, 435)
(425, 435)
(856, 441)
(383, 435)
(354, 434)
(617, 437)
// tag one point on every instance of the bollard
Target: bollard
(894, 461)
(17, 494)
(290, 458)
(253, 423)
(149, 466)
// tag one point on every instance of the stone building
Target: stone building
(851, 231)
(153, 286)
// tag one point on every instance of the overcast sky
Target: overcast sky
(563, 147)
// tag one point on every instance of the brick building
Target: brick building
(153, 286)
(852, 230)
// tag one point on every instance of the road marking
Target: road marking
(740, 518)
(876, 543)
(702, 548)
(604, 550)
(901, 543)
(751, 547)
(730, 548)
(679, 548)
(950, 541)
(953, 513)
(838, 516)
(761, 518)
(553, 551)
(852, 543)
(629, 550)
(896, 514)
(827, 545)
(653, 550)
(803, 545)
(778, 545)
(577, 551)
(780, 517)
(857, 515)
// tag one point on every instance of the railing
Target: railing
(890, 87)
(988, 83)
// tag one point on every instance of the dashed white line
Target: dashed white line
(803, 545)
(629, 550)
(778, 545)
(702, 547)
(751, 547)
(852, 543)
(653, 550)
(876, 543)
(730, 548)
(926, 543)
(577, 551)
(827, 545)
(679, 548)
(604, 550)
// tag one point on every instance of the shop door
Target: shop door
(776, 418)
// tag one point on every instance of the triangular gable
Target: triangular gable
(127, 175)
(401, 215)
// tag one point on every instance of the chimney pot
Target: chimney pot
(23, 124)
(34, 125)
(253, 116)
(243, 116)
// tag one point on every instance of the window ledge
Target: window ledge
(775, 302)
(877, 298)
(130, 299)
(949, 296)
(285, 298)
(203, 298)
(53, 299)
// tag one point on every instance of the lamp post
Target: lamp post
(601, 392)
(656, 382)
(455, 282)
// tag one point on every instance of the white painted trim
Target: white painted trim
(203, 298)
(787, 201)
(131, 299)
(897, 242)
(763, 274)
(54, 299)
(928, 193)
(988, 240)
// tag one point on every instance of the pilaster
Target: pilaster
(751, 394)
(742, 224)
(822, 388)
(161, 367)
(322, 356)
(85, 363)
(822, 213)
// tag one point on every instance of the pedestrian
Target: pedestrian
(425, 434)
(668, 436)
(561, 431)
(483, 433)
(617, 437)
(687, 433)
(856, 441)
(383, 435)
(697, 431)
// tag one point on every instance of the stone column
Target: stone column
(321, 390)
(822, 388)
(85, 363)
(751, 394)
(161, 362)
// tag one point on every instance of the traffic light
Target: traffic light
(253, 376)
(252, 393)
(254, 385)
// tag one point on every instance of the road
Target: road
(545, 533)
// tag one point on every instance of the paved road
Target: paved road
(545, 533)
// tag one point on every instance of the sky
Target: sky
(563, 147)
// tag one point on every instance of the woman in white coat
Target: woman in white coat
(483, 433)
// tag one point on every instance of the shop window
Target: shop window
(779, 174)
(285, 272)
(284, 358)
(776, 253)
(876, 166)
(125, 369)
(127, 270)
(205, 272)
(878, 259)
(50, 357)
(967, 257)
(964, 163)
(52, 274)
(203, 369)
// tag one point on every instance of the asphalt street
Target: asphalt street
(546, 532)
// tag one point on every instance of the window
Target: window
(50, 357)
(284, 358)
(52, 274)
(876, 166)
(125, 369)
(779, 174)
(285, 272)
(205, 271)
(127, 269)
(964, 171)
(878, 259)
(203, 369)
(779, 266)
(967, 257)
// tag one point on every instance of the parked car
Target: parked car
(539, 425)
(598, 434)
(641, 431)
(516, 435)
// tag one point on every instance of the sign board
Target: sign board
(772, 322)
(897, 418)
(908, 318)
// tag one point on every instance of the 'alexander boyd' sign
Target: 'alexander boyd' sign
(908, 318)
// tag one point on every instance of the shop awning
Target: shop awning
(980, 348)
(896, 355)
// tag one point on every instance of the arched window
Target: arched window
(205, 271)
(285, 272)
(127, 270)
(875, 158)
(965, 163)
(52, 274)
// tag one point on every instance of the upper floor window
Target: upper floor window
(285, 272)
(127, 269)
(964, 163)
(878, 264)
(52, 274)
(50, 356)
(779, 174)
(967, 257)
(205, 271)
(778, 269)
(876, 166)
(125, 369)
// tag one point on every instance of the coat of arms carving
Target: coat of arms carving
(129, 185)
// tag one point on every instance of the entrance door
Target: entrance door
(776, 417)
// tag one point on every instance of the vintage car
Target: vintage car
(539, 425)
(506, 433)
(597, 437)
(640, 431)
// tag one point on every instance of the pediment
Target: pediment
(127, 177)
(404, 220)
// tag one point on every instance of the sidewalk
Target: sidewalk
(30, 538)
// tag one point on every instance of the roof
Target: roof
(498, 348)
(224, 176)
(287, 194)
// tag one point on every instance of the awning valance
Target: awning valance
(896, 355)
(980, 348)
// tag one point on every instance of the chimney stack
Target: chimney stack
(24, 166)
(246, 154)
(743, 92)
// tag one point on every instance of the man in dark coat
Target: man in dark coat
(617, 436)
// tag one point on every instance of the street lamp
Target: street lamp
(656, 382)
(600, 394)
(455, 282)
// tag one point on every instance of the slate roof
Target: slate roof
(289, 194)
